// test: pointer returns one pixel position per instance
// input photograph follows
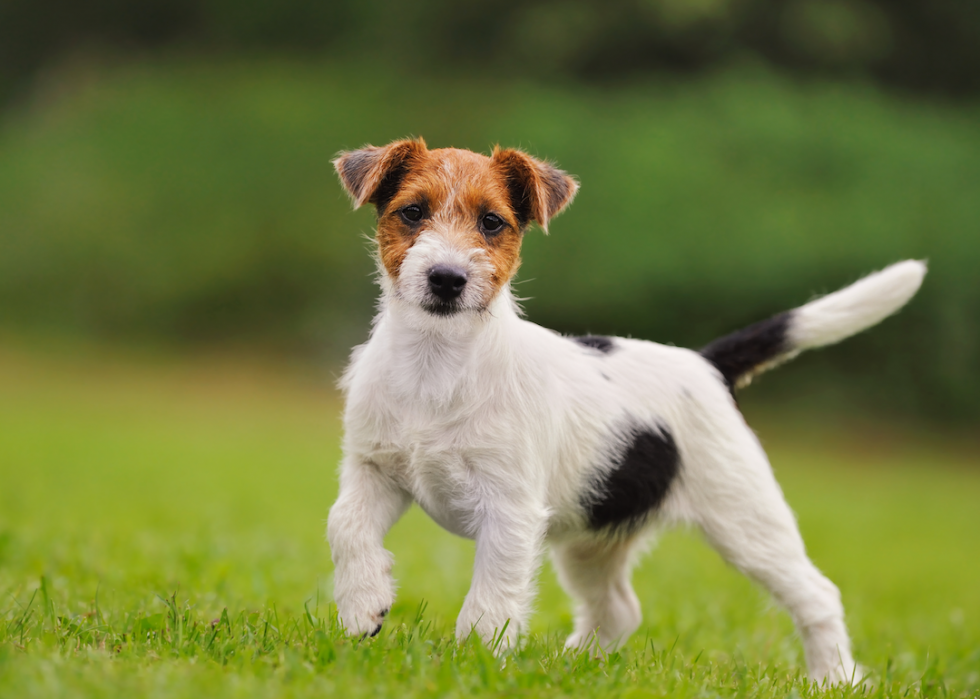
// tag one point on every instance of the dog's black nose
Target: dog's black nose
(447, 282)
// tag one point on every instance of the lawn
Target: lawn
(161, 535)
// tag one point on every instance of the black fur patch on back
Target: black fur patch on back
(638, 482)
(600, 342)
(742, 351)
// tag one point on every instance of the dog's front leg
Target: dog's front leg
(508, 554)
(367, 507)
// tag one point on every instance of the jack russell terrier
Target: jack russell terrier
(514, 436)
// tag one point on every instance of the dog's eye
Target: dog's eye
(412, 213)
(491, 223)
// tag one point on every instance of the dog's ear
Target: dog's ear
(538, 190)
(374, 174)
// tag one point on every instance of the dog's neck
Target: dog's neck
(442, 358)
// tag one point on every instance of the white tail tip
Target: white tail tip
(854, 308)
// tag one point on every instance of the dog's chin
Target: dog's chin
(443, 309)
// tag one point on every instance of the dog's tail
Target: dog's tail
(746, 353)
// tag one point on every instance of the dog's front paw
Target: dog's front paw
(496, 629)
(362, 612)
(365, 623)
(846, 672)
(584, 641)
(364, 591)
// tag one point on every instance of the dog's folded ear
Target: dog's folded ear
(373, 174)
(538, 190)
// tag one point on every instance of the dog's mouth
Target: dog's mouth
(443, 308)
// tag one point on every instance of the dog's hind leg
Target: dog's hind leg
(597, 575)
(731, 493)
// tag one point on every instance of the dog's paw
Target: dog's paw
(379, 617)
(362, 610)
(854, 674)
(844, 673)
(583, 642)
(497, 631)
(363, 624)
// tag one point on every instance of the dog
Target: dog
(517, 437)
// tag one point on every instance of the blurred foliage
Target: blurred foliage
(924, 45)
(180, 202)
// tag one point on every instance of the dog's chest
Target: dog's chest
(440, 457)
(452, 430)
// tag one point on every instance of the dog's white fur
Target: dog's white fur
(497, 428)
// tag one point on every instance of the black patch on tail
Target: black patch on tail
(638, 481)
(739, 353)
(599, 342)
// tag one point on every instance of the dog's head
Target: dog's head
(450, 221)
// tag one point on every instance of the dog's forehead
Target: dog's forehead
(459, 161)
(455, 182)
(455, 166)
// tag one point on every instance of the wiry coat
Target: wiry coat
(515, 436)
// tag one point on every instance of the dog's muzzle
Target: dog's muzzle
(446, 284)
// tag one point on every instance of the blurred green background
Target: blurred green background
(165, 172)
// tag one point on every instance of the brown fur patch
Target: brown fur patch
(538, 190)
(455, 189)
(374, 174)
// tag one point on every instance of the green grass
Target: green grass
(161, 535)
